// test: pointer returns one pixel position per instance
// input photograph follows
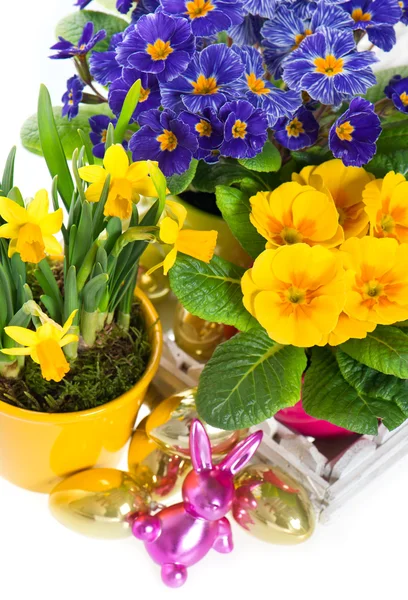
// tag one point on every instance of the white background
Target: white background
(362, 553)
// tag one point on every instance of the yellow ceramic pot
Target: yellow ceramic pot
(37, 450)
(228, 246)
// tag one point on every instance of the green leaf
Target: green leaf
(46, 279)
(128, 108)
(381, 164)
(248, 379)
(15, 194)
(95, 287)
(52, 148)
(376, 92)
(83, 238)
(179, 183)
(235, 209)
(327, 395)
(385, 350)
(267, 161)
(71, 299)
(67, 130)
(86, 141)
(8, 173)
(71, 27)
(373, 383)
(226, 172)
(211, 291)
(394, 137)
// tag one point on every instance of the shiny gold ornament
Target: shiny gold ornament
(169, 426)
(162, 474)
(196, 337)
(272, 506)
(97, 502)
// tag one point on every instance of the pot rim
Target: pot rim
(156, 340)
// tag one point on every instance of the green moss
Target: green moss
(99, 374)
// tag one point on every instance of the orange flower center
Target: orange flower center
(30, 243)
(295, 128)
(159, 50)
(344, 131)
(291, 236)
(404, 98)
(373, 289)
(295, 295)
(205, 85)
(358, 15)
(199, 8)
(239, 129)
(167, 140)
(329, 66)
(387, 224)
(300, 37)
(257, 86)
(104, 133)
(204, 128)
(144, 94)
(52, 360)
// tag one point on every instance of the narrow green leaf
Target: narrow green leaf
(385, 350)
(78, 180)
(87, 266)
(8, 173)
(211, 291)
(83, 238)
(235, 209)
(71, 299)
(86, 141)
(128, 108)
(51, 307)
(98, 218)
(92, 289)
(52, 148)
(7, 293)
(114, 230)
(15, 195)
(46, 279)
(134, 234)
(110, 136)
(267, 161)
(179, 183)
(248, 379)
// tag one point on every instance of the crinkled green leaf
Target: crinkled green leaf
(211, 291)
(376, 92)
(381, 164)
(267, 161)
(394, 136)
(179, 183)
(248, 379)
(385, 350)
(226, 172)
(71, 27)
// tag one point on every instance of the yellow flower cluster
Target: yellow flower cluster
(335, 263)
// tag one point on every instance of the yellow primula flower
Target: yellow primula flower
(345, 185)
(296, 293)
(376, 279)
(44, 346)
(347, 328)
(198, 244)
(386, 203)
(295, 213)
(127, 182)
(30, 229)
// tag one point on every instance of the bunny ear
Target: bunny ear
(200, 447)
(241, 455)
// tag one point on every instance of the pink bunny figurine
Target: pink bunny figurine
(179, 536)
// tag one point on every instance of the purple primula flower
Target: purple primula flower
(144, 7)
(149, 92)
(124, 6)
(260, 92)
(157, 44)
(209, 80)
(72, 97)
(209, 131)
(352, 137)
(397, 91)
(85, 43)
(248, 32)
(82, 3)
(377, 18)
(206, 16)
(298, 131)
(166, 139)
(99, 126)
(103, 65)
(287, 30)
(263, 8)
(245, 129)
(328, 67)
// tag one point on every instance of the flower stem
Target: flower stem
(89, 326)
(11, 370)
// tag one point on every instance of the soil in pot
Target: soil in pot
(99, 374)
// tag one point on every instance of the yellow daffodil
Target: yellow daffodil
(198, 244)
(376, 279)
(296, 293)
(347, 328)
(295, 213)
(44, 346)
(345, 185)
(386, 203)
(30, 229)
(127, 182)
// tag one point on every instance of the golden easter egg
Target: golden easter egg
(197, 337)
(168, 426)
(272, 506)
(98, 502)
(161, 473)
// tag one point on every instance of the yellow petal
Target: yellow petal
(30, 243)
(117, 205)
(178, 210)
(198, 244)
(348, 328)
(52, 246)
(169, 260)
(94, 192)
(12, 212)
(16, 351)
(52, 222)
(21, 335)
(145, 187)
(68, 339)
(169, 231)
(68, 323)
(315, 215)
(93, 174)
(38, 208)
(116, 161)
(9, 231)
(54, 365)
